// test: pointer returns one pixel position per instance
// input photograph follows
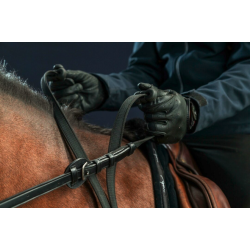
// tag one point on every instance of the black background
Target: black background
(32, 60)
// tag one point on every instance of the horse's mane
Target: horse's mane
(12, 84)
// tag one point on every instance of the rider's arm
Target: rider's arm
(144, 66)
(228, 94)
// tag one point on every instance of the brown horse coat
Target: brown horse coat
(32, 151)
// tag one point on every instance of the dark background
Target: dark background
(32, 60)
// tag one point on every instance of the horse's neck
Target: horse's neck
(28, 133)
(32, 151)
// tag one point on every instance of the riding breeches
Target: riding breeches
(226, 161)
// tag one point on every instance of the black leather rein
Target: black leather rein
(82, 169)
(76, 172)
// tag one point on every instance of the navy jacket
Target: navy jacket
(216, 75)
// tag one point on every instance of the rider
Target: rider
(201, 95)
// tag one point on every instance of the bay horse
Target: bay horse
(32, 151)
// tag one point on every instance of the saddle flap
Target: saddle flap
(182, 154)
(193, 189)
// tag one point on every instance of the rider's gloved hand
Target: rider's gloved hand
(77, 89)
(168, 115)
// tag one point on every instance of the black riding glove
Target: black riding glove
(77, 89)
(169, 116)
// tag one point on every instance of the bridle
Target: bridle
(82, 169)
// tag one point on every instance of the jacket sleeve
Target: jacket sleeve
(144, 66)
(228, 94)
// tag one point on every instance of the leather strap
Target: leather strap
(70, 176)
(159, 182)
(71, 139)
(115, 142)
(76, 173)
(62, 121)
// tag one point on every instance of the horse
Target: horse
(33, 151)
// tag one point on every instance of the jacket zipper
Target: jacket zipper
(178, 67)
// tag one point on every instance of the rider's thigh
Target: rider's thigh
(226, 161)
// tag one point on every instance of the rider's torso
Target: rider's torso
(191, 65)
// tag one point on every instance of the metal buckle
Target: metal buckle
(73, 167)
(84, 177)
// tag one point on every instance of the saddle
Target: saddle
(192, 189)
(177, 180)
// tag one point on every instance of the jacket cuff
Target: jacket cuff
(199, 101)
(194, 95)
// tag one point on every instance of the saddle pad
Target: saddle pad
(163, 182)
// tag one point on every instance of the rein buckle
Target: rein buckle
(74, 169)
